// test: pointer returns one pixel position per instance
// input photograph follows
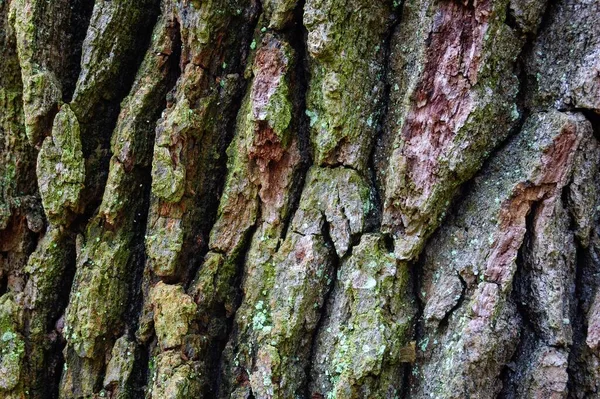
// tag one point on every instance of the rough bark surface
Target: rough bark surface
(299, 199)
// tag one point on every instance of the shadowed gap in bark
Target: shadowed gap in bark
(587, 269)
(336, 264)
(135, 301)
(297, 34)
(381, 130)
(104, 125)
(528, 334)
(78, 25)
(211, 207)
(56, 359)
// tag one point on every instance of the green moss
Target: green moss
(163, 245)
(99, 291)
(12, 345)
(173, 313)
(366, 341)
(279, 112)
(174, 378)
(41, 98)
(345, 91)
(61, 168)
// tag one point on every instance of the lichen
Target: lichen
(345, 90)
(173, 313)
(61, 168)
(12, 345)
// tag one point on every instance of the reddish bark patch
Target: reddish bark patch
(270, 66)
(443, 99)
(266, 146)
(276, 161)
(554, 170)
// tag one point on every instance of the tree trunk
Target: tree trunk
(299, 199)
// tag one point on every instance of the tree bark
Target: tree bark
(299, 199)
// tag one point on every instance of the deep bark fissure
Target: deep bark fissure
(296, 35)
(135, 299)
(383, 115)
(210, 209)
(416, 273)
(79, 25)
(336, 265)
(54, 359)
(528, 334)
(583, 296)
(99, 133)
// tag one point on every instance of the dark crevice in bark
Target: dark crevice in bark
(215, 352)
(135, 301)
(521, 282)
(380, 130)
(510, 20)
(218, 342)
(529, 336)
(56, 358)
(297, 36)
(136, 293)
(585, 280)
(3, 281)
(53, 356)
(592, 117)
(416, 273)
(103, 127)
(514, 368)
(78, 26)
(337, 262)
(210, 205)
(137, 260)
(443, 324)
(579, 321)
(587, 272)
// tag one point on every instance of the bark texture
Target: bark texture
(245, 199)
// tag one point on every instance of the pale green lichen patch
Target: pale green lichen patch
(359, 346)
(120, 194)
(173, 377)
(168, 169)
(16, 154)
(45, 270)
(346, 63)
(163, 245)
(61, 168)
(12, 345)
(41, 99)
(212, 284)
(173, 313)
(41, 89)
(96, 301)
(121, 363)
